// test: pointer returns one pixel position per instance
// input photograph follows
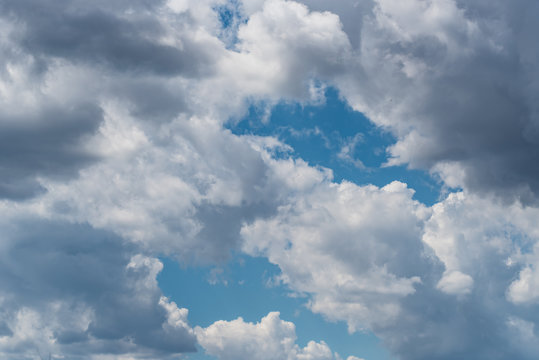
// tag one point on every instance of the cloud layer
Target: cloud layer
(114, 150)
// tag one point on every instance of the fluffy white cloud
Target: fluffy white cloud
(465, 231)
(377, 259)
(104, 131)
(269, 339)
(455, 282)
(113, 151)
(356, 249)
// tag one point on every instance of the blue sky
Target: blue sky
(269, 180)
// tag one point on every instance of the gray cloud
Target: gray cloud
(375, 259)
(45, 143)
(456, 83)
(93, 294)
(62, 60)
(117, 108)
(103, 36)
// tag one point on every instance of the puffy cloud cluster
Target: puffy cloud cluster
(68, 289)
(336, 243)
(458, 278)
(270, 339)
(113, 151)
(455, 81)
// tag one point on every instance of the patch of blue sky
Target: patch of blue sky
(244, 288)
(335, 136)
(227, 13)
(230, 17)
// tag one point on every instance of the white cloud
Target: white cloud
(269, 339)
(345, 245)
(465, 230)
(347, 152)
(282, 48)
(378, 260)
(112, 128)
(524, 289)
(455, 282)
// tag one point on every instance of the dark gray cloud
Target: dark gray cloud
(151, 99)
(460, 76)
(103, 36)
(126, 60)
(92, 277)
(439, 326)
(221, 225)
(47, 143)
(480, 118)
(478, 110)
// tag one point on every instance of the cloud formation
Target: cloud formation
(114, 150)
(71, 290)
(335, 243)
(457, 278)
(455, 82)
(269, 339)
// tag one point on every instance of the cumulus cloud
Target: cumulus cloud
(447, 276)
(269, 339)
(453, 80)
(335, 243)
(455, 282)
(69, 290)
(110, 158)
(113, 151)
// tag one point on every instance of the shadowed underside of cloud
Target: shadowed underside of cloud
(113, 152)
(98, 35)
(72, 290)
(45, 144)
(456, 82)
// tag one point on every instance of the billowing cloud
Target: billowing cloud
(106, 35)
(110, 159)
(114, 151)
(378, 260)
(269, 339)
(44, 143)
(335, 243)
(69, 290)
(455, 82)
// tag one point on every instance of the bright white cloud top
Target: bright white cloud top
(270, 339)
(118, 148)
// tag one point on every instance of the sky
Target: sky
(269, 179)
